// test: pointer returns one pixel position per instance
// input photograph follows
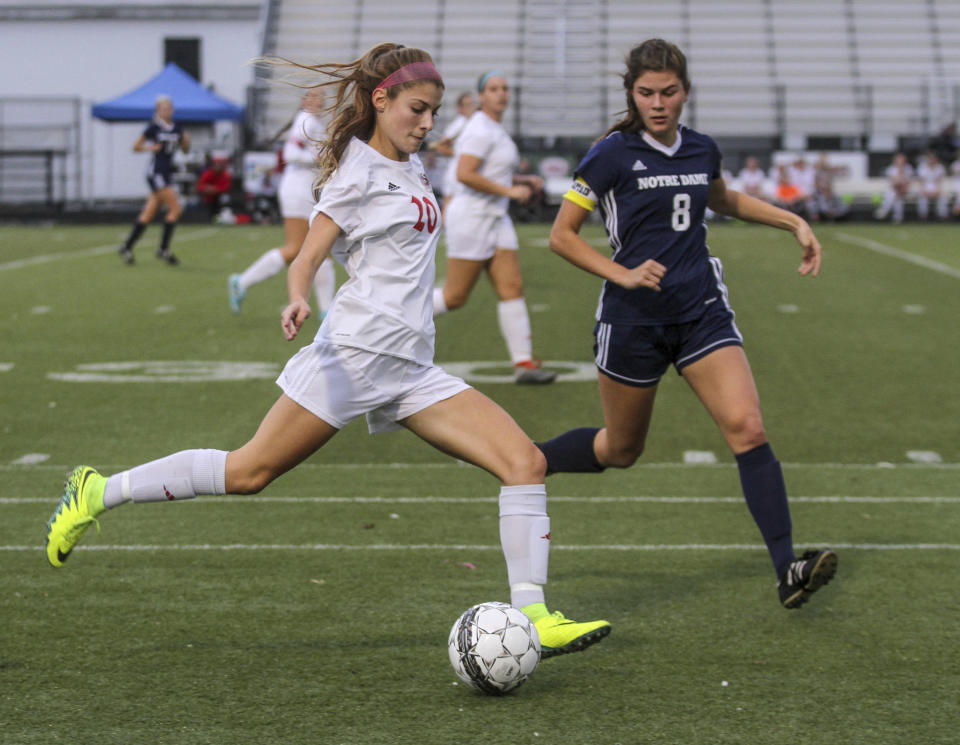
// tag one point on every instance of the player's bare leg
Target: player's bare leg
(475, 429)
(724, 383)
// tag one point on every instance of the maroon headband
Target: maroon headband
(409, 73)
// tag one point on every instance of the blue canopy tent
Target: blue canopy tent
(192, 102)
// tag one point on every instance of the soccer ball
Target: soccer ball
(493, 647)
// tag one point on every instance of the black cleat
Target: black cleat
(126, 254)
(806, 575)
(168, 257)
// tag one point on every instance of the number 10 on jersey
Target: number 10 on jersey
(428, 214)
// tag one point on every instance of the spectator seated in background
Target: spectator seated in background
(899, 180)
(214, 186)
(787, 195)
(955, 173)
(803, 177)
(753, 181)
(931, 174)
(828, 203)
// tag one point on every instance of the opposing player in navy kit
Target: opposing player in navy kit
(664, 302)
(162, 137)
(373, 354)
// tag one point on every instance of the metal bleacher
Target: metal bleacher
(854, 69)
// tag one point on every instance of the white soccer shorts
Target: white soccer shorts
(477, 237)
(338, 384)
(295, 193)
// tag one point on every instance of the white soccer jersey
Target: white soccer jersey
(303, 140)
(391, 225)
(896, 174)
(931, 175)
(752, 179)
(486, 139)
(452, 132)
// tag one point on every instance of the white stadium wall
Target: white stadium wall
(100, 58)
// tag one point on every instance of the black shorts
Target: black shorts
(158, 181)
(640, 355)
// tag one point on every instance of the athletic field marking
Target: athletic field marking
(924, 456)
(188, 371)
(699, 457)
(455, 464)
(897, 253)
(469, 547)
(31, 459)
(95, 251)
(478, 500)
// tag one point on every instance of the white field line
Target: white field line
(898, 253)
(94, 251)
(474, 547)
(112, 468)
(477, 500)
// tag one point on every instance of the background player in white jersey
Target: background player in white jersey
(373, 354)
(466, 105)
(480, 233)
(932, 176)
(296, 197)
(664, 301)
(900, 177)
(162, 137)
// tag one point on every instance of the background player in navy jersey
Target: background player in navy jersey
(664, 301)
(162, 137)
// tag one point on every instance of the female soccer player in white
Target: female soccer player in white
(480, 234)
(664, 302)
(373, 353)
(296, 197)
(466, 105)
(162, 137)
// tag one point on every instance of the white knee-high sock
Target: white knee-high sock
(325, 285)
(182, 475)
(515, 327)
(439, 304)
(263, 268)
(525, 539)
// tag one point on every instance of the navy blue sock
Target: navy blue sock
(167, 235)
(572, 452)
(762, 481)
(135, 232)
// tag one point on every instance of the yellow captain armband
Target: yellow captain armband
(581, 195)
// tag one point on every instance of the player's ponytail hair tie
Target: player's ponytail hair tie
(409, 73)
(482, 80)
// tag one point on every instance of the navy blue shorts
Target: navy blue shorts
(640, 355)
(158, 181)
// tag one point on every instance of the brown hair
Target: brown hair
(354, 83)
(653, 54)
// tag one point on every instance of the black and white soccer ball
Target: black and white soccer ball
(494, 647)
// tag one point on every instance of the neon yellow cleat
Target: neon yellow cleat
(79, 506)
(559, 635)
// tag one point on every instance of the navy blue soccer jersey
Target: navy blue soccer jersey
(168, 135)
(652, 199)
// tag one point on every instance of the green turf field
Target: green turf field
(317, 612)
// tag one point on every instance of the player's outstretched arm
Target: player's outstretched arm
(315, 249)
(736, 204)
